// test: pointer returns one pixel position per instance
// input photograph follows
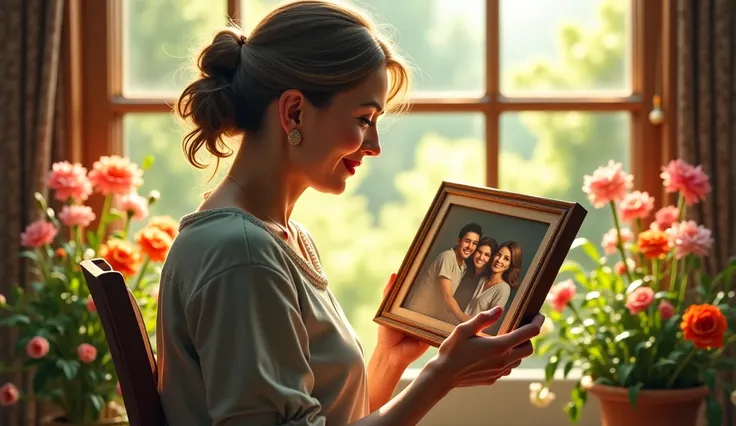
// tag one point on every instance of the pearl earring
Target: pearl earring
(295, 137)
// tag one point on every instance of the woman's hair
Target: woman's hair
(314, 46)
(511, 276)
(485, 241)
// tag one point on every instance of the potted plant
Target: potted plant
(646, 325)
(61, 340)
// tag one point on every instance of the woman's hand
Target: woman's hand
(400, 349)
(466, 359)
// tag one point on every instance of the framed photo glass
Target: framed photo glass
(477, 248)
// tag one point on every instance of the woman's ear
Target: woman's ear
(291, 109)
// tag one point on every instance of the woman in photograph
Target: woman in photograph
(477, 270)
(248, 329)
(495, 290)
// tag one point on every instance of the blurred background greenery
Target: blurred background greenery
(547, 48)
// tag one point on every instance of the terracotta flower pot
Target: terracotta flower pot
(653, 408)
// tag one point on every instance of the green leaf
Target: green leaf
(709, 378)
(634, 393)
(634, 285)
(147, 162)
(28, 254)
(624, 373)
(587, 247)
(567, 369)
(69, 368)
(97, 401)
(714, 411)
(665, 295)
(551, 367)
(15, 320)
(573, 412)
(45, 373)
(664, 362)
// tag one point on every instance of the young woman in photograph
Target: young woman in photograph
(495, 290)
(477, 270)
(248, 331)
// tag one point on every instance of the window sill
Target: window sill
(489, 405)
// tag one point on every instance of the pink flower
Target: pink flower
(9, 394)
(665, 217)
(38, 234)
(691, 182)
(91, 307)
(69, 181)
(115, 175)
(76, 215)
(666, 310)
(561, 294)
(639, 300)
(620, 268)
(86, 353)
(37, 347)
(134, 204)
(608, 183)
(636, 205)
(610, 239)
(689, 238)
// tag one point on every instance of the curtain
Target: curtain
(706, 117)
(30, 135)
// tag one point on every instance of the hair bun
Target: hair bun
(222, 57)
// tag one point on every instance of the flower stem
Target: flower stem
(683, 285)
(103, 220)
(655, 275)
(141, 273)
(681, 367)
(619, 243)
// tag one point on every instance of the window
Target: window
(522, 95)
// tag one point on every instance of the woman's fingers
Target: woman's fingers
(479, 322)
(522, 334)
(389, 284)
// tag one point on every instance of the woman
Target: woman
(248, 332)
(504, 274)
(477, 268)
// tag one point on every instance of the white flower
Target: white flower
(540, 396)
(586, 381)
(733, 397)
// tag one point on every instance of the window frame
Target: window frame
(95, 105)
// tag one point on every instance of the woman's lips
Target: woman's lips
(350, 165)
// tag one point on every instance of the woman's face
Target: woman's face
(481, 257)
(501, 261)
(336, 138)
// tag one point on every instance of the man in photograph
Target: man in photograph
(432, 294)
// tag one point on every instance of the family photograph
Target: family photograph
(477, 261)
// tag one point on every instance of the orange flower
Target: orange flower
(123, 256)
(154, 242)
(60, 253)
(654, 243)
(166, 224)
(705, 325)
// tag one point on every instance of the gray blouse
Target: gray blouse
(248, 333)
(483, 300)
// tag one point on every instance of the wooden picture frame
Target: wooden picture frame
(416, 303)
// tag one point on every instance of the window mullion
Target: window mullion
(493, 71)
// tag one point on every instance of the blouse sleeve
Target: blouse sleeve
(253, 349)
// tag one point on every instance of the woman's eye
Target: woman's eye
(364, 121)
